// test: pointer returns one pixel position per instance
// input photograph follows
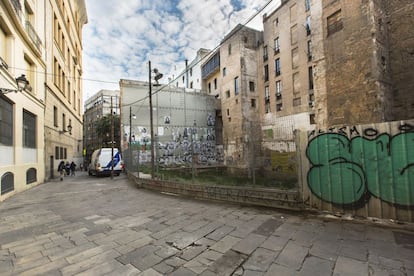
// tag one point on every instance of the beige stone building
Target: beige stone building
(63, 113)
(285, 75)
(230, 73)
(334, 62)
(22, 52)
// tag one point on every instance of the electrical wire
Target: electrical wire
(162, 86)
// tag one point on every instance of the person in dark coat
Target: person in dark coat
(61, 169)
(67, 168)
(72, 168)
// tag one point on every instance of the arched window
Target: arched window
(7, 183)
(31, 175)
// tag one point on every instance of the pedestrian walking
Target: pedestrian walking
(61, 169)
(72, 168)
(67, 168)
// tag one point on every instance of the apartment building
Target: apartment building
(333, 63)
(99, 105)
(63, 103)
(286, 82)
(230, 73)
(22, 57)
(190, 77)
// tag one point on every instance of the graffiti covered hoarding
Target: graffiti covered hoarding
(351, 166)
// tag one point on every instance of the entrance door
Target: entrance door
(52, 167)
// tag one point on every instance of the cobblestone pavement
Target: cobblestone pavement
(98, 226)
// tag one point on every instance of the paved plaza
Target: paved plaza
(98, 226)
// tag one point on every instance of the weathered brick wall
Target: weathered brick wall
(401, 37)
(351, 82)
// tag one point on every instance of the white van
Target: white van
(101, 162)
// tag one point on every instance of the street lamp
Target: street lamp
(158, 76)
(22, 84)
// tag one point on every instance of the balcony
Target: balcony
(33, 35)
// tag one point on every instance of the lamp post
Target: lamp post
(22, 84)
(158, 76)
(193, 139)
(112, 141)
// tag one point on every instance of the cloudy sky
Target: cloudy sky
(122, 35)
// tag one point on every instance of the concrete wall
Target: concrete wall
(365, 170)
(244, 195)
(183, 123)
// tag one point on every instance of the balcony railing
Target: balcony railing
(33, 35)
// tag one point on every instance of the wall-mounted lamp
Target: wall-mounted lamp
(22, 84)
(68, 130)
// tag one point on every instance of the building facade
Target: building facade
(230, 74)
(184, 125)
(96, 107)
(331, 63)
(190, 77)
(22, 52)
(63, 111)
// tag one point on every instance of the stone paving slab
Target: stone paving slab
(98, 226)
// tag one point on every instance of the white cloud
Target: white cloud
(122, 35)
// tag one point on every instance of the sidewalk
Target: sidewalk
(98, 226)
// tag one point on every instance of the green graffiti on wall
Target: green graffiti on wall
(344, 169)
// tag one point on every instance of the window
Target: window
(308, 25)
(267, 107)
(307, 5)
(293, 13)
(55, 116)
(276, 45)
(297, 101)
(6, 122)
(29, 129)
(266, 72)
(228, 112)
(236, 85)
(279, 90)
(4, 43)
(279, 107)
(310, 72)
(334, 22)
(183, 79)
(229, 49)
(251, 86)
(63, 122)
(295, 58)
(228, 93)
(224, 71)
(276, 23)
(191, 72)
(253, 103)
(267, 94)
(312, 119)
(294, 35)
(265, 54)
(277, 67)
(215, 84)
(296, 83)
(309, 50)
(191, 84)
